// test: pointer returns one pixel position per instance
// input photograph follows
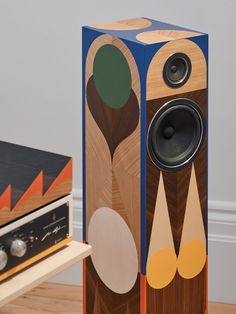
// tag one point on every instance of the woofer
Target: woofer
(177, 70)
(175, 134)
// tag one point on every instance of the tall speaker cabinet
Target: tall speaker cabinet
(145, 168)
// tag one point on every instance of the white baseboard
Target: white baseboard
(222, 249)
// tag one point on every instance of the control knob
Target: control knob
(3, 259)
(18, 248)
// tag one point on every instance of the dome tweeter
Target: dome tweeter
(175, 134)
(177, 70)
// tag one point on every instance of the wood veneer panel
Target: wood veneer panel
(112, 174)
(36, 200)
(181, 296)
(198, 76)
(176, 183)
(153, 175)
(33, 276)
(102, 300)
(130, 24)
(110, 120)
(98, 170)
(192, 252)
(158, 36)
(162, 259)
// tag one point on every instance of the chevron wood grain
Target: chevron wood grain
(170, 299)
(98, 169)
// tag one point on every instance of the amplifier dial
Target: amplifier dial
(18, 248)
(3, 259)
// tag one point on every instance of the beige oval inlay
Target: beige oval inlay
(124, 25)
(114, 255)
(153, 37)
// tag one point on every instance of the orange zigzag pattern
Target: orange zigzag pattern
(35, 187)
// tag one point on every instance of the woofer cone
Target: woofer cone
(177, 70)
(175, 134)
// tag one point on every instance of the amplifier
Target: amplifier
(36, 235)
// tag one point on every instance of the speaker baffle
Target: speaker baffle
(175, 134)
(177, 70)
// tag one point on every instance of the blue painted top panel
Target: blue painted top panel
(130, 35)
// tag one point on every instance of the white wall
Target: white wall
(40, 79)
(40, 73)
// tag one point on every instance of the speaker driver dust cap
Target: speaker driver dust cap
(175, 134)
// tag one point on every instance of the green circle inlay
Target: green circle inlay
(112, 76)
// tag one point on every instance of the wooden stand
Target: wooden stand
(42, 271)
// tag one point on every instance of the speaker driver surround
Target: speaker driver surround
(177, 70)
(175, 134)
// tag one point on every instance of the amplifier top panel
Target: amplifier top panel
(29, 179)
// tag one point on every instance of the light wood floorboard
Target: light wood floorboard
(61, 299)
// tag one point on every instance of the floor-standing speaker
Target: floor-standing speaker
(145, 168)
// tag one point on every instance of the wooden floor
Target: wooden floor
(60, 299)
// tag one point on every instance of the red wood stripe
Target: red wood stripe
(143, 294)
